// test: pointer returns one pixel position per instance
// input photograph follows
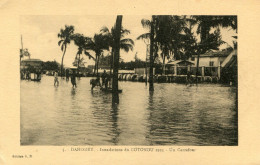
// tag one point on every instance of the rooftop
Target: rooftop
(217, 53)
(179, 62)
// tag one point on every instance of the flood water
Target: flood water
(175, 114)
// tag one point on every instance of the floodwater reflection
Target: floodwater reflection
(174, 114)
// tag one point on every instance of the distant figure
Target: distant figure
(73, 79)
(95, 82)
(105, 79)
(56, 81)
(38, 73)
(67, 74)
(28, 75)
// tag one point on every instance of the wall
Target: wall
(204, 61)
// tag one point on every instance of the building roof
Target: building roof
(215, 53)
(179, 62)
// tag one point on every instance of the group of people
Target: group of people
(72, 78)
(105, 81)
(94, 82)
(26, 75)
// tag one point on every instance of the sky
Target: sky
(39, 35)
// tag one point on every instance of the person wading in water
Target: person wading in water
(73, 79)
(105, 79)
(56, 81)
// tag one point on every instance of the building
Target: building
(211, 58)
(31, 63)
(180, 67)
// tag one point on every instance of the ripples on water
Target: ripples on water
(175, 114)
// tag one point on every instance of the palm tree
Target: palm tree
(167, 36)
(126, 44)
(79, 62)
(170, 35)
(98, 44)
(65, 36)
(150, 36)
(81, 42)
(211, 41)
(205, 23)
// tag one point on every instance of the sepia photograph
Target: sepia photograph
(128, 80)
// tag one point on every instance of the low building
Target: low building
(179, 67)
(35, 63)
(211, 58)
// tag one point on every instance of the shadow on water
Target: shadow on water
(114, 119)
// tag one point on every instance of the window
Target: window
(211, 63)
(192, 58)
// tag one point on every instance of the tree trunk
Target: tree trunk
(61, 66)
(163, 66)
(97, 63)
(111, 60)
(78, 63)
(204, 33)
(95, 66)
(151, 88)
(197, 68)
(115, 97)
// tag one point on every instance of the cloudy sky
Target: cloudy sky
(39, 35)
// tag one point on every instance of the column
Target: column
(202, 71)
(219, 71)
(175, 70)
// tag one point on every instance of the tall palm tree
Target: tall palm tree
(205, 23)
(150, 24)
(207, 40)
(65, 36)
(168, 36)
(81, 42)
(126, 44)
(98, 44)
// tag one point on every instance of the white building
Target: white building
(211, 58)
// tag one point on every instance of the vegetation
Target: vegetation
(173, 37)
(50, 65)
(126, 44)
(98, 44)
(169, 38)
(81, 42)
(65, 35)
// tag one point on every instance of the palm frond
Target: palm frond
(143, 36)
(60, 42)
(127, 40)
(126, 47)
(89, 55)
